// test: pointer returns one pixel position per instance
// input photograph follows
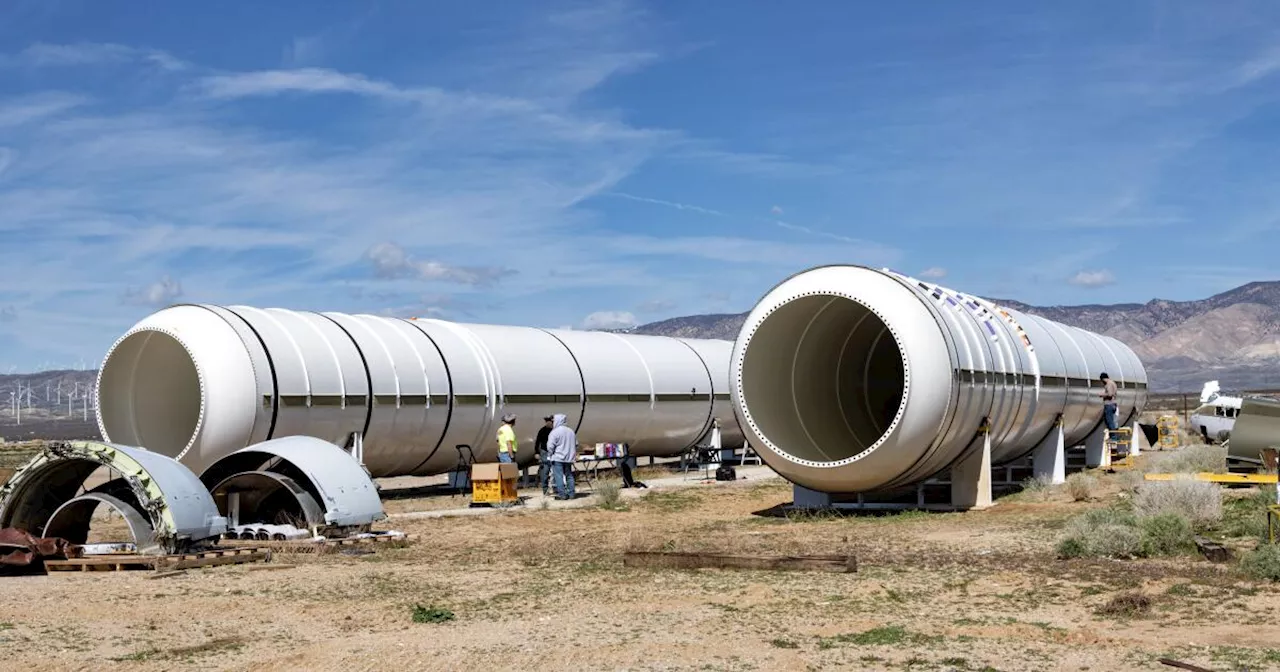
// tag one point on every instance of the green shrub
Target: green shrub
(1110, 533)
(1072, 547)
(610, 494)
(1166, 534)
(1080, 486)
(431, 614)
(1116, 533)
(1263, 562)
(1199, 502)
(1038, 487)
(1247, 516)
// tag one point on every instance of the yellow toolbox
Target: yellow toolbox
(494, 483)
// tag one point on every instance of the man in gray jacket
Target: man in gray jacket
(562, 449)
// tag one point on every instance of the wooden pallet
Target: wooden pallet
(122, 562)
(328, 545)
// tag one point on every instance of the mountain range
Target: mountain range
(1233, 337)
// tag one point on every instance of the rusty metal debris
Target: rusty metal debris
(19, 548)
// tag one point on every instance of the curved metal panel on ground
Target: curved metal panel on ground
(73, 519)
(1257, 428)
(200, 382)
(331, 475)
(851, 379)
(178, 505)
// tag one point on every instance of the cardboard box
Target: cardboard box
(494, 483)
(498, 471)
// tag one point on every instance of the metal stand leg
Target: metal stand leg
(1095, 449)
(1050, 458)
(971, 478)
(804, 498)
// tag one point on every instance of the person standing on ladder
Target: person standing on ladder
(507, 439)
(1108, 395)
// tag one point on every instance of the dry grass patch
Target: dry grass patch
(1080, 486)
(1200, 502)
(1131, 604)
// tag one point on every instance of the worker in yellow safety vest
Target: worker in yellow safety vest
(507, 439)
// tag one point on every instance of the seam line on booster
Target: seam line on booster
(844, 417)
(424, 419)
(795, 357)
(448, 420)
(648, 374)
(271, 364)
(582, 380)
(368, 377)
(711, 407)
(945, 428)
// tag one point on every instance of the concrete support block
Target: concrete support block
(1095, 452)
(971, 478)
(1049, 461)
(804, 498)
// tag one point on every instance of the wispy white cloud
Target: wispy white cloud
(813, 232)
(609, 319)
(392, 261)
(934, 273)
(157, 294)
(1099, 278)
(94, 53)
(752, 251)
(775, 211)
(655, 306)
(669, 204)
(302, 80)
(26, 109)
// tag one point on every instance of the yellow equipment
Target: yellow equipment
(1118, 444)
(494, 483)
(1273, 522)
(1212, 477)
(1167, 428)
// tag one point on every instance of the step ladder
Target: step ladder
(1118, 443)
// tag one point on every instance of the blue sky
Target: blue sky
(604, 163)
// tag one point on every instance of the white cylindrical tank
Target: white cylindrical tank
(850, 379)
(197, 382)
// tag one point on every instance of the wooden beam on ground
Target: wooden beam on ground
(1212, 550)
(671, 560)
(1183, 666)
(1212, 477)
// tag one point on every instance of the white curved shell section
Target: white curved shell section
(852, 379)
(199, 382)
